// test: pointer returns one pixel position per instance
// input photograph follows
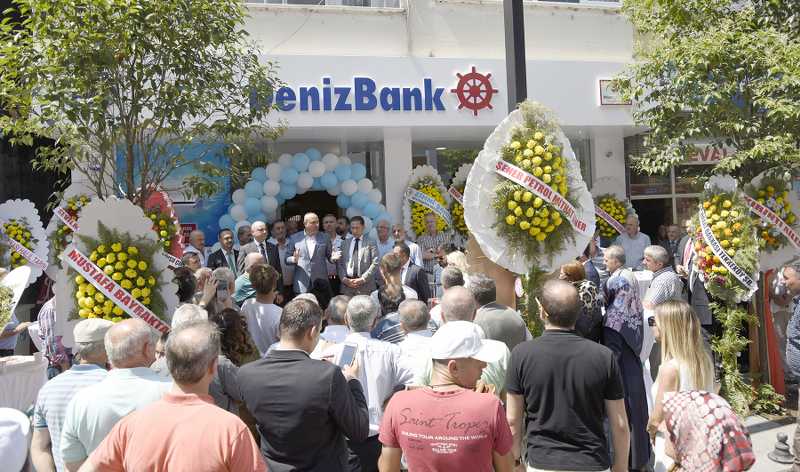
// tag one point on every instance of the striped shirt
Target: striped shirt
(54, 350)
(793, 341)
(426, 242)
(51, 405)
(666, 285)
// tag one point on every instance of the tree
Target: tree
(724, 71)
(126, 87)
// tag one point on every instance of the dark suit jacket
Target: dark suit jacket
(273, 258)
(672, 251)
(417, 278)
(698, 297)
(217, 259)
(304, 410)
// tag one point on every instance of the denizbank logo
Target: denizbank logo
(473, 91)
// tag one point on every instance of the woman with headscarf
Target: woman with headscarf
(590, 322)
(623, 333)
(705, 434)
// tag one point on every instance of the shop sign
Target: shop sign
(708, 154)
(473, 91)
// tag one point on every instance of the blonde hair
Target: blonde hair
(458, 260)
(681, 340)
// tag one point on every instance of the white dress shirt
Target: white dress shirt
(381, 367)
(416, 348)
(311, 244)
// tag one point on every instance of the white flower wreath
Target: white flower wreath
(26, 210)
(418, 175)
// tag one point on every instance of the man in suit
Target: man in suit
(698, 298)
(260, 245)
(226, 255)
(671, 243)
(413, 275)
(312, 250)
(359, 261)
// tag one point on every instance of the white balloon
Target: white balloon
(239, 196)
(274, 171)
(285, 160)
(373, 235)
(268, 204)
(238, 213)
(345, 160)
(271, 188)
(375, 195)
(352, 211)
(367, 224)
(317, 168)
(305, 181)
(335, 190)
(364, 185)
(349, 187)
(242, 223)
(330, 161)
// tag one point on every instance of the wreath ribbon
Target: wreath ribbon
(769, 216)
(112, 290)
(29, 255)
(456, 194)
(429, 202)
(609, 219)
(519, 176)
(727, 261)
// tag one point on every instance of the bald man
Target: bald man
(260, 245)
(634, 242)
(312, 250)
(197, 245)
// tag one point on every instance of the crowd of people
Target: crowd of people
(300, 348)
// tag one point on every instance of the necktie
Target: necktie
(231, 263)
(263, 251)
(354, 258)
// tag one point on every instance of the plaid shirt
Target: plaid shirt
(666, 285)
(426, 242)
(54, 351)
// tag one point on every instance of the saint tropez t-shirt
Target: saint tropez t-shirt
(565, 380)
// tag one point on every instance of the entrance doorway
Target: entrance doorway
(653, 212)
(319, 202)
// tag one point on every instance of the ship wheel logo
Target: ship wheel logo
(474, 91)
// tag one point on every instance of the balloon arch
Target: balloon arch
(271, 186)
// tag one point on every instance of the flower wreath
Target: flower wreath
(59, 234)
(11, 288)
(727, 217)
(21, 222)
(773, 190)
(616, 209)
(161, 212)
(457, 206)
(425, 179)
(540, 172)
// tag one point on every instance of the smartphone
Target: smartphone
(348, 355)
(222, 289)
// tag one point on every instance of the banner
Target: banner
(726, 260)
(174, 262)
(106, 285)
(68, 220)
(609, 219)
(541, 189)
(429, 202)
(456, 194)
(769, 216)
(32, 258)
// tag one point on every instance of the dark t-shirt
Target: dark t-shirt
(565, 380)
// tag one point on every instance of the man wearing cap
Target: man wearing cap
(51, 404)
(447, 425)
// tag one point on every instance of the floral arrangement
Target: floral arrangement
(616, 208)
(59, 233)
(728, 217)
(19, 230)
(165, 227)
(426, 180)
(128, 263)
(773, 192)
(509, 213)
(6, 305)
(456, 207)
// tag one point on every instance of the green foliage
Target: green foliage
(451, 159)
(715, 70)
(527, 305)
(143, 79)
(728, 346)
(244, 157)
(767, 401)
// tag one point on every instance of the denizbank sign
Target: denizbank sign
(473, 91)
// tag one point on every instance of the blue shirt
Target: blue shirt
(793, 340)
(51, 404)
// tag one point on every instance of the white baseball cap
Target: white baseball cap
(15, 429)
(461, 340)
(91, 330)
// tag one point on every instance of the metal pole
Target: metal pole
(515, 52)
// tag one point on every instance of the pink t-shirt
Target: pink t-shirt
(179, 433)
(454, 430)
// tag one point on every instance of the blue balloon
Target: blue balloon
(252, 206)
(260, 217)
(343, 201)
(359, 199)
(280, 199)
(358, 171)
(288, 191)
(259, 174)
(372, 210)
(317, 185)
(254, 189)
(300, 162)
(384, 216)
(342, 172)
(289, 176)
(329, 180)
(313, 154)
(225, 221)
